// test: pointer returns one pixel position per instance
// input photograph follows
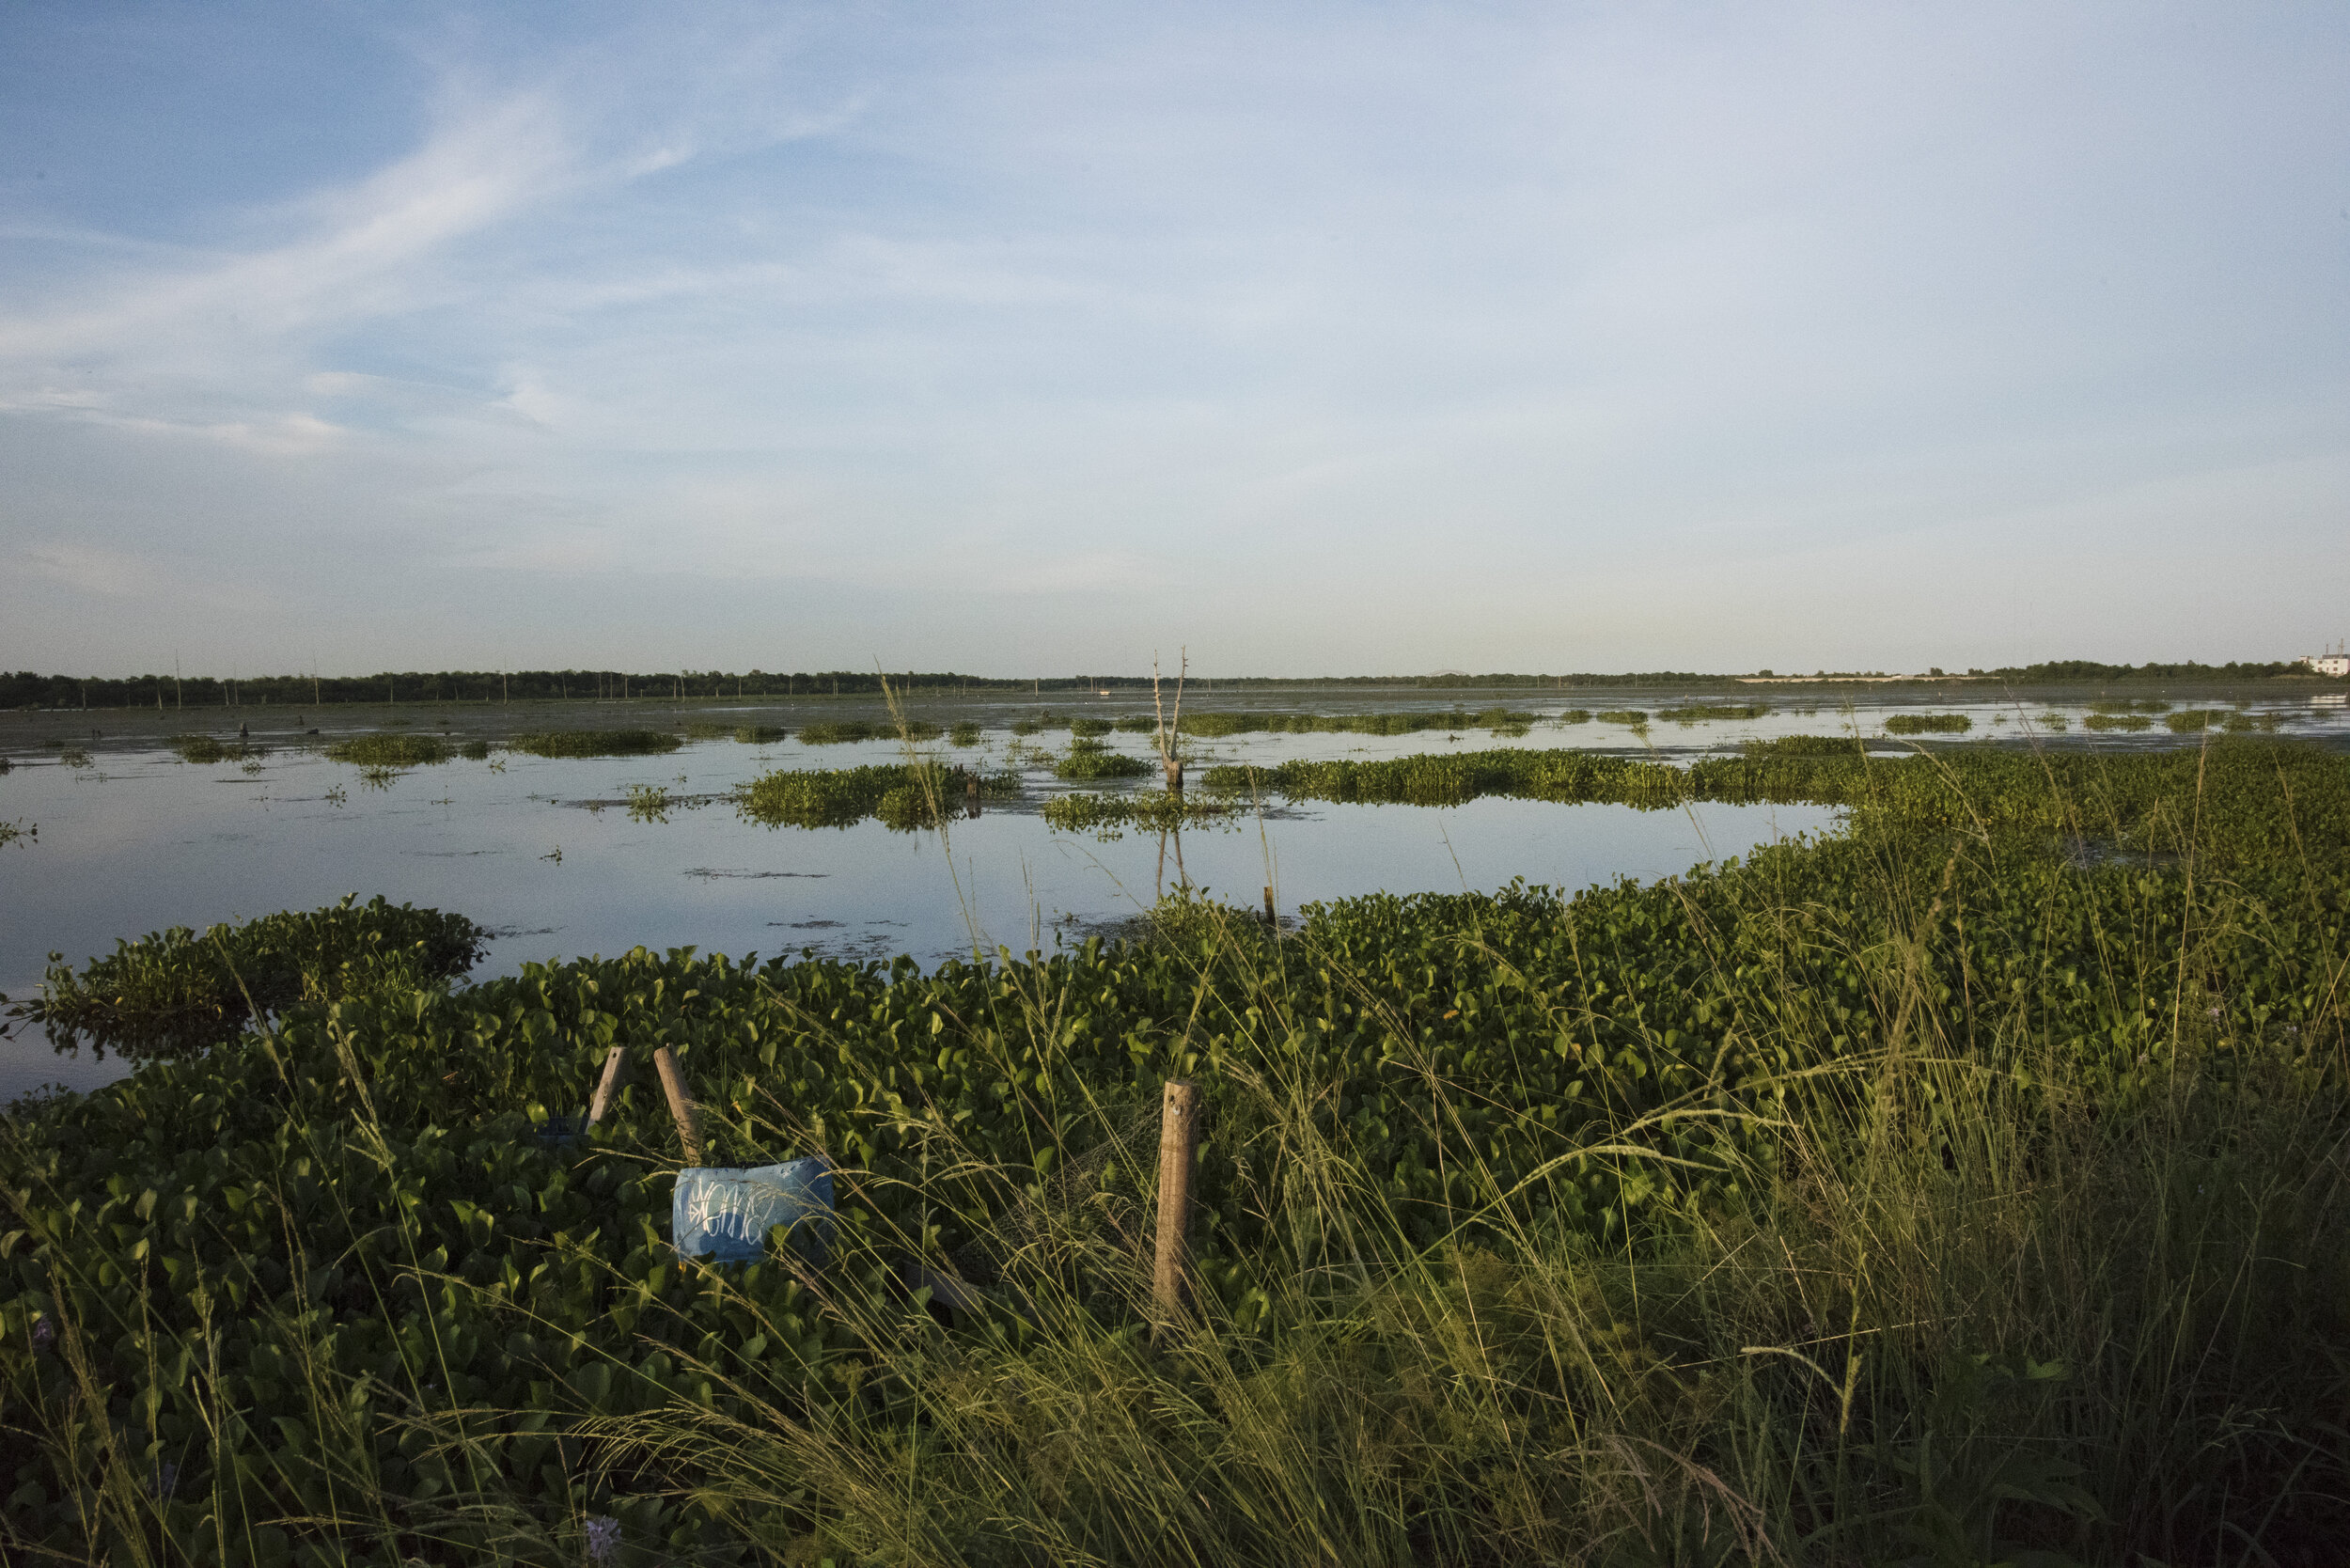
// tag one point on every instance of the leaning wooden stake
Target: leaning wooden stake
(1270, 919)
(1179, 1145)
(608, 1087)
(681, 1107)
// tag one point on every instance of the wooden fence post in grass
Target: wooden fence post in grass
(1270, 919)
(608, 1087)
(1179, 1148)
(681, 1107)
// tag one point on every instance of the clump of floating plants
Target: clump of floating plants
(1087, 759)
(181, 989)
(477, 750)
(1109, 817)
(2189, 721)
(2053, 720)
(76, 757)
(837, 797)
(2128, 722)
(759, 734)
(1633, 716)
(2261, 724)
(2122, 705)
(1090, 729)
(1573, 715)
(1137, 724)
(204, 748)
(593, 742)
(382, 750)
(1213, 725)
(965, 733)
(841, 731)
(19, 832)
(1927, 724)
(1695, 712)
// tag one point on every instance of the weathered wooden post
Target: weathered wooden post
(608, 1087)
(1270, 919)
(1179, 1148)
(681, 1107)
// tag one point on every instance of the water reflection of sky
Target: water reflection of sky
(138, 841)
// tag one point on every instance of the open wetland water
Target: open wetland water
(571, 856)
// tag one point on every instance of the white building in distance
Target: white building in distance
(2336, 663)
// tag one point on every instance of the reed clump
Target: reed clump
(1697, 712)
(594, 743)
(385, 750)
(841, 797)
(2127, 723)
(1927, 724)
(1088, 760)
(842, 731)
(1635, 717)
(206, 749)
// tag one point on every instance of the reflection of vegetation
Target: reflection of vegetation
(594, 743)
(379, 778)
(382, 750)
(759, 734)
(477, 751)
(1109, 817)
(77, 758)
(1927, 724)
(1088, 759)
(837, 797)
(178, 990)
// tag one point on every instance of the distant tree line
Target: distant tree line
(26, 689)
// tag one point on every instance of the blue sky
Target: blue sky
(1316, 338)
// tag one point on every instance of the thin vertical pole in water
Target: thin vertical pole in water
(681, 1107)
(1178, 1150)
